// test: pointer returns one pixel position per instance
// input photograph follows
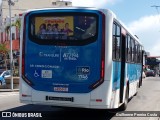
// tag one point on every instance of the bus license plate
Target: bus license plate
(61, 89)
(71, 99)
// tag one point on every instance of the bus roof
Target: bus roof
(88, 8)
(92, 8)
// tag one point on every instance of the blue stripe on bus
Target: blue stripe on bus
(132, 73)
(116, 75)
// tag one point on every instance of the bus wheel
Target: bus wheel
(140, 83)
(124, 105)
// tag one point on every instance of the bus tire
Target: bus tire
(140, 83)
(124, 105)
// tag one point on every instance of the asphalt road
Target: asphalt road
(147, 99)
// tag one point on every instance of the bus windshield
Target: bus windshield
(60, 27)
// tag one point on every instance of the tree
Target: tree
(17, 24)
(7, 29)
(4, 53)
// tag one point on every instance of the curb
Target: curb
(9, 90)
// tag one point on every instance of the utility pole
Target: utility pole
(11, 3)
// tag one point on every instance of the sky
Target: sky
(138, 15)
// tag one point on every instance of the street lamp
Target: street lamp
(11, 3)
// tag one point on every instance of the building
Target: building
(17, 8)
(22, 5)
(16, 11)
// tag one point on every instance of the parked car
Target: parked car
(150, 73)
(3, 75)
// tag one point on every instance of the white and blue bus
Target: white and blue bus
(78, 57)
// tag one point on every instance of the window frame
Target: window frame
(62, 42)
(116, 35)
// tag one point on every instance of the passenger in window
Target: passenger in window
(57, 32)
(53, 27)
(42, 31)
(49, 31)
(67, 29)
(57, 28)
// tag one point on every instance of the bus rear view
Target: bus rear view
(62, 57)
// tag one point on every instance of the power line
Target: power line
(156, 7)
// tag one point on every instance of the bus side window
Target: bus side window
(118, 48)
(132, 49)
(138, 54)
(135, 52)
(128, 46)
(114, 42)
(116, 45)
